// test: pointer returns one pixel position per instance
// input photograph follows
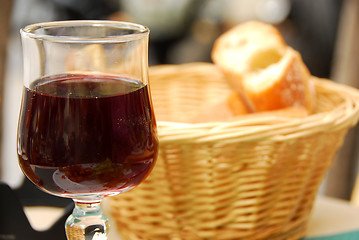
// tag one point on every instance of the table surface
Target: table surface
(331, 218)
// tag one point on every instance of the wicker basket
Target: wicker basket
(253, 178)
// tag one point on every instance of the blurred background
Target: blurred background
(182, 31)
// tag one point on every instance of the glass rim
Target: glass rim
(142, 31)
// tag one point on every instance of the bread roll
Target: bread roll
(225, 110)
(263, 69)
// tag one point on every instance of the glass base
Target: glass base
(87, 222)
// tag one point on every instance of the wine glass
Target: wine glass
(86, 128)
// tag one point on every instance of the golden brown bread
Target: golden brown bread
(222, 111)
(262, 69)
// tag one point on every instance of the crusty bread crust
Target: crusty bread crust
(287, 86)
(262, 69)
(234, 48)
(222, 111)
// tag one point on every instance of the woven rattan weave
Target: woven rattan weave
(255, 177)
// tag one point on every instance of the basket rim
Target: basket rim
(259, 126)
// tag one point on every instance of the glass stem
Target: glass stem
(87, 222)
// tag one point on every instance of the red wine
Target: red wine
(85, 135)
